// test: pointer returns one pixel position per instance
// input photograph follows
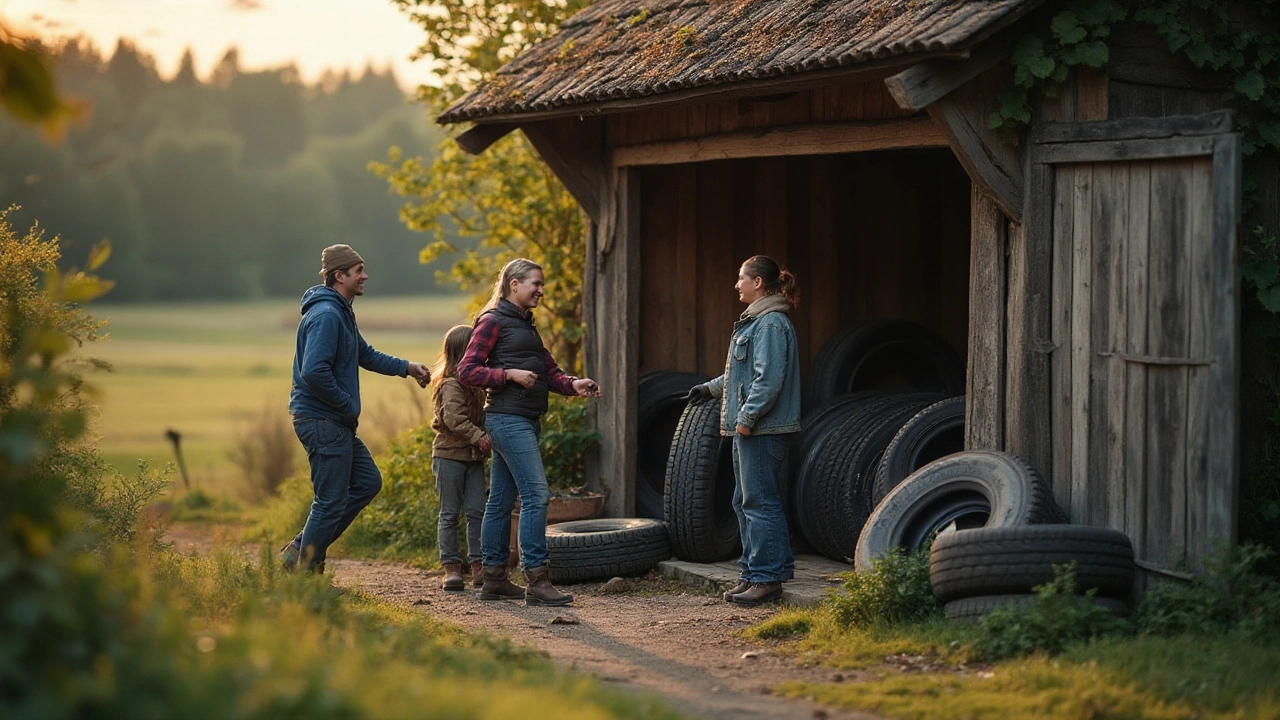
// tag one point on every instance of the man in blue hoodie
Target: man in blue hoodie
(325, 404)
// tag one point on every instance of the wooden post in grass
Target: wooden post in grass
(175, 437)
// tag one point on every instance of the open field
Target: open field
(211, 370)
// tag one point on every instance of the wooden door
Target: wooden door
(1143, 370)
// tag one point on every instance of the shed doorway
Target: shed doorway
(869, 235)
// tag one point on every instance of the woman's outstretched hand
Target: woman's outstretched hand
(586, 387)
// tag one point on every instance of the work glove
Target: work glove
(697, 395)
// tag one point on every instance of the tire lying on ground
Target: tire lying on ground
(660, 404)
(882, 355)
(972, 489)
(1013, 560)
(698, 502)
(582, 550)
(933, 433)
(973, 608)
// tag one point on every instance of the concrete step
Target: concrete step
(815, 575)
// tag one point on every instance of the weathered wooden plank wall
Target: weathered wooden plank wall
(840, 103)
(1145, 366)
(869, 235)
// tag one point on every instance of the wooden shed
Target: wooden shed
(1089, 271)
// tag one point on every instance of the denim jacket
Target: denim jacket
(760, 387)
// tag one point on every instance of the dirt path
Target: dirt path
(656, 636)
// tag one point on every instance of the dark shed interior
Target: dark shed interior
(869, 235)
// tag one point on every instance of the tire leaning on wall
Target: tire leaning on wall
(660, 404)
(972, 489)
(698, 500)
(882, 354)
(933, 433)
(602, 548)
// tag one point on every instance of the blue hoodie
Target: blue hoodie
(328, 358)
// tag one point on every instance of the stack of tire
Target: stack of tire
(873, 385)
(996, 534)
(976, 571)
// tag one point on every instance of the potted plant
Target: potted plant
(566, 439)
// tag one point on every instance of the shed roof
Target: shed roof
(630, 49)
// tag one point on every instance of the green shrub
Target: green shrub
(566, 439)
(1056, 618)
(401, 522)
(895, 590)
(1229, 596)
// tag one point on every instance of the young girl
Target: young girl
(457, 459)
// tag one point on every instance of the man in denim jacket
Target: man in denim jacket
(759, 396)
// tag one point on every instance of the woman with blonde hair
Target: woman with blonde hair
(506, 356)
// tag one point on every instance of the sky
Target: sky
(312, 34)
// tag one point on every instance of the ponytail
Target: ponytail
(775, 279)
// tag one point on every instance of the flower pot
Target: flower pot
(563, 508)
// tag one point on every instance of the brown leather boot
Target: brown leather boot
(540, 590)
(497, 586)
(741, 587)
(758, 594)
(453, 577)
(477, 573)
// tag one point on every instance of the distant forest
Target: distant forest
(224, 188)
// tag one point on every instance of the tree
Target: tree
(506, 198)
(28, 91)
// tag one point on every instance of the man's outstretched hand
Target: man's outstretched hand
(420, 372)
(697, 395)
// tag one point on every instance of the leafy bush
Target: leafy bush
(401, 522)
(1056, 618)
(1230, 596)
(895, 590)
(566, 439)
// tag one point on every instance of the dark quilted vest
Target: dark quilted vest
(520, 347)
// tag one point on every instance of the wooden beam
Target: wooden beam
(1117, 150)
(985, 400)
(1214, 123)
(615, 359)
(992, 164)
(572, 149)
(920, 86)
(478, 138)
(825, 139)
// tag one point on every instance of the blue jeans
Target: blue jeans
(516, 471)
(762, 523)
(460, 490)
(344, 480)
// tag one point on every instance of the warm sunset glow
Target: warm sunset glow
(313, 34)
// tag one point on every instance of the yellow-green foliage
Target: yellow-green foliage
(1037, 688)
(820, 637)
(1029, 689)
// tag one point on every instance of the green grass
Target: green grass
(1223, 676)
(208, 370)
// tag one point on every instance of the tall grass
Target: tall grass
(207, 370)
